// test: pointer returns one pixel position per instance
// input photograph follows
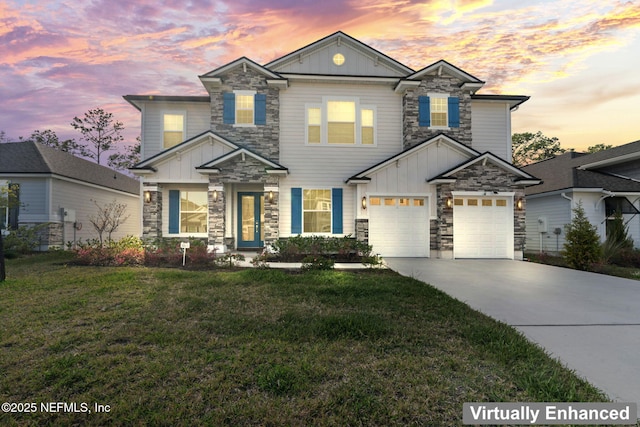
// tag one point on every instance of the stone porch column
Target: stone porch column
(217, 213)
(271, 213)
(151, 212)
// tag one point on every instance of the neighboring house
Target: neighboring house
(58, 189)
(604, 182)
(335, 139)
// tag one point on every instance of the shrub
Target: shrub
(314, 262)
(127, 251)
(167, 253)
(582, 247)
(297, 248)
(23, 240)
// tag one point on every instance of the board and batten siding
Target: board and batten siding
(491, 128)
(409, 175)
(79, 197)
(182, 167)
(356, 63)
(198, 120)
(329, 166)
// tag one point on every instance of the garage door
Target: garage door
(399, 226)
(482, 227)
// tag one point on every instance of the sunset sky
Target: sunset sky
(579, 60)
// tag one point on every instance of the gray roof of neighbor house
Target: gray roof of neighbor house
(20, 158)
(565, 172)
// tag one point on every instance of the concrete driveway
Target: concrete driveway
(591, 322)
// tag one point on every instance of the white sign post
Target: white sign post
(184, 246)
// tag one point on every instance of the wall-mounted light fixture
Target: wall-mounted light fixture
(215, 195)
(519, 204)
(147, 196)
(449, 203)
(364, 202)
(270, 197)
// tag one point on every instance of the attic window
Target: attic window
(338, 59)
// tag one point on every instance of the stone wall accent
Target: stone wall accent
(217, 214)
(362, 230)
(479, 178)
(152, 216)
(413, 133)
(244, 171)
(271, 218)
(260, 139)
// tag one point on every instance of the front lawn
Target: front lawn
(255, 347)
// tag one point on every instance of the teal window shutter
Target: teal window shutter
(260, 109)
(174, 211)
(229, 108)
(296, 210)
(336, 208)
(454, 112)
(424, 111)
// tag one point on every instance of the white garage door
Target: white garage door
(482, 227)
(399, 226)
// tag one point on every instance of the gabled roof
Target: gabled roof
(340, 37)
(612, 156)
(211, 166)
(440, 138)
(468, 81)
(26, 158)
(148, 163)
(243, 61)
(566, 171)
(525, 178)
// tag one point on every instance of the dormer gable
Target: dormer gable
(341, 55)
(213, 79)
(439, 68)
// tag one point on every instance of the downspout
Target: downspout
(606, 194)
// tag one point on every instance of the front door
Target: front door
(250, 220)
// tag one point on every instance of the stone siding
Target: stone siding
(152, 216)
(413, 132)
(479, 178)
(262, 139)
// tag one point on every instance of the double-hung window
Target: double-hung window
(173, 129)
(188, 212)
(439, 111)
(340, 121)
(244, 108)
(316, 210)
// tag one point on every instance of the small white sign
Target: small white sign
(185, 245)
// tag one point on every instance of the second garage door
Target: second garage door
(482, 227)
(399, 226)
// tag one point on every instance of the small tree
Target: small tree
(533, 147)
(126, 160)
(598, 147)
(582, 246)
(108, 218)
(100, 130)
(50, 139)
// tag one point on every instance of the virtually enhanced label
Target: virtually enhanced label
(549, 413)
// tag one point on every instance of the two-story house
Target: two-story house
(335, 138)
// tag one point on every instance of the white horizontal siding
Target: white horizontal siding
(34, 199)
(78, 197)
(491, 128)
(322, 166)
(198, 121)
(557, 211)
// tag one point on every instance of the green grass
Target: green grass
(256, 347)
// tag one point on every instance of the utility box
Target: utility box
(68, 215)
(543, 226)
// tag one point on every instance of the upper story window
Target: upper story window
(173, 129)
(439, 111)
(244, 108)
(340, 122)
